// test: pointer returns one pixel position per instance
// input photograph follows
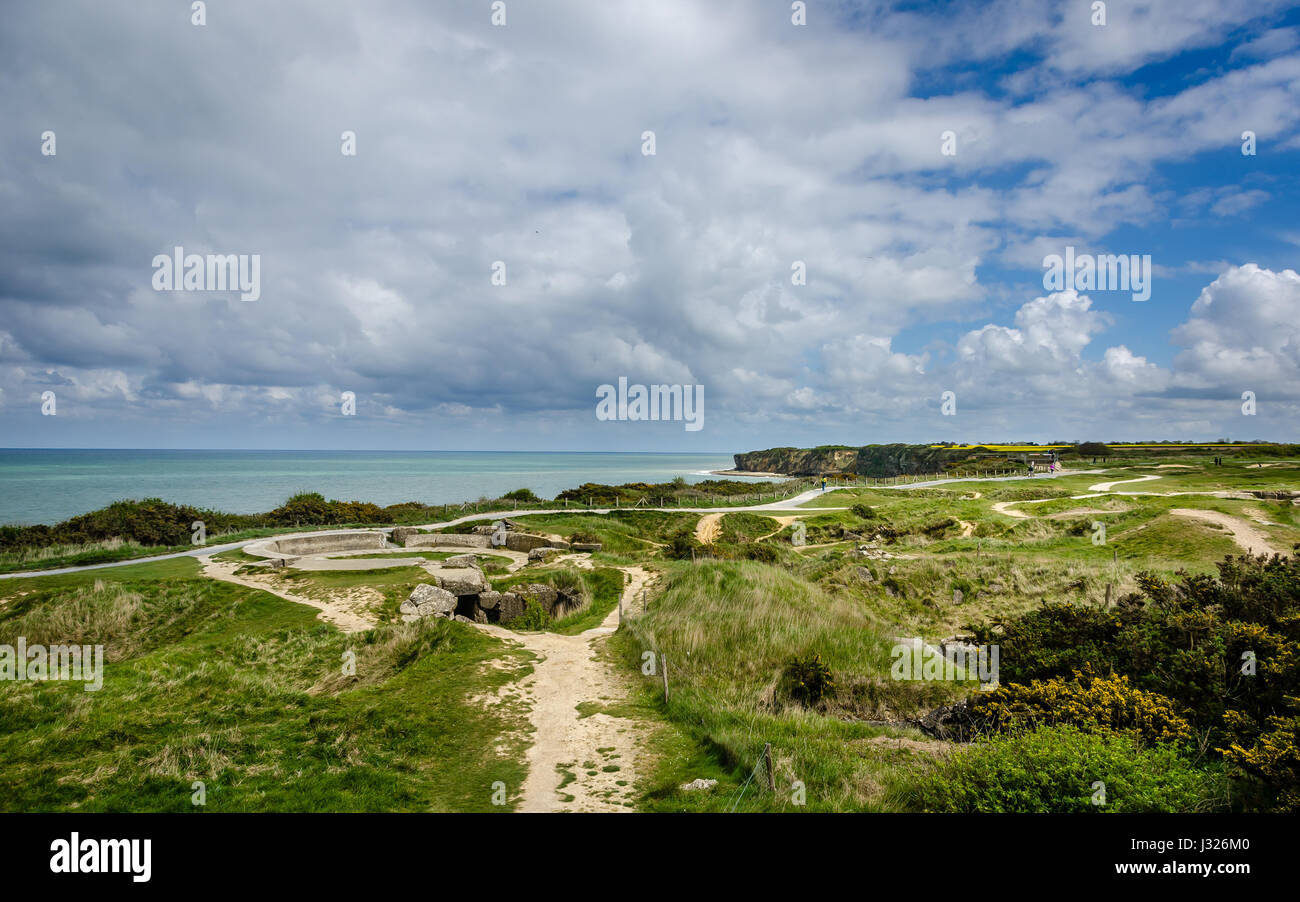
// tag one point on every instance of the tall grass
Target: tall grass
(728, 631)
(249, 693)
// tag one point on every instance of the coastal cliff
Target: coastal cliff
(869, 460)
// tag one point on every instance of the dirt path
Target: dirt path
(782, 523)
(594, 754)
(708, 529)
(591, 753)
(1244, 533)
(1107, 486)
(349, 615)
(1004, 507)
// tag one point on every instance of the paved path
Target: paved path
(783, 504)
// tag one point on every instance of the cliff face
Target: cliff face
(799, 461)
(869, 460)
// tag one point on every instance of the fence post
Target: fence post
(663, 669)
(767, 757)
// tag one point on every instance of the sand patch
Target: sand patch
(352, 611)
(1243, 532)
(1107, 486)
(708, 529)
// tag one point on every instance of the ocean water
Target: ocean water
(46, 486)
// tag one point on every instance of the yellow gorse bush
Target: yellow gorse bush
(1090, 702)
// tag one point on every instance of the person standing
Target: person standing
(823, 483)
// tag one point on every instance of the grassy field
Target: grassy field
(244, 691)
(728, 630)
(206, 681)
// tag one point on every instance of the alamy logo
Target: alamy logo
(75, 663)
(1107, 272)
(103, 856)
(215, 272)
(915, 660)
(654, 402)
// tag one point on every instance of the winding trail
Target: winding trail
(1244, 533)
(569, 746)
(1107, 486)
(1004, 507)
(349, 615)
(593, 751)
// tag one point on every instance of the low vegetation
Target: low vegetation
(1153, 669)
(247, 694)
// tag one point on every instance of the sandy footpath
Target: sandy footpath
(1244, 533)
(349, 614)
(590, 754)
(593, 753)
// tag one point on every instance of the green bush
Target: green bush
(1268, 765)
(521, 495)
(760, 551)
(864, 511)
(682, 545)
(534, 617)
(1057, 769)
(1185, 640)
(1225, 650)
(808, 679)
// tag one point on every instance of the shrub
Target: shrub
(534, 617)
(1094, 704)
(760, 551)
(1055, 769)
(682, 545)
(808, 679)
(864, 511)
(521, 495)
(1190, 640)
(1269, 762)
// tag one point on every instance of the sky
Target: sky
(502, 241)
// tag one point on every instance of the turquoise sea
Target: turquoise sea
(46, 486)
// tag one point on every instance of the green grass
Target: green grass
(244, 691)
(738, 528)
(394, 584)
(619, 532)
(235, 687)
(605, 583)
(728, 629)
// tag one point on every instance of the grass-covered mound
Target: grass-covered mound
(207, 681)
(737, 636)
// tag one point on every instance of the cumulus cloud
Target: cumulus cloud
(1243, 334)
(522, 145)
